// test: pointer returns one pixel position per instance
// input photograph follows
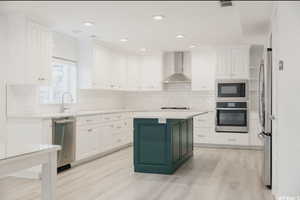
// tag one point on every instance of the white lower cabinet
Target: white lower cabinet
(102, 133)
(86, 142)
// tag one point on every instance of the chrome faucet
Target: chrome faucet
(63, 106)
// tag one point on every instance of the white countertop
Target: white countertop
(168, 114)
(28, 149)
(68, 114)
(138, 112)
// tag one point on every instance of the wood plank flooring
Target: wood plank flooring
(212, 174)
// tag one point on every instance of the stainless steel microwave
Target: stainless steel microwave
(232, 90)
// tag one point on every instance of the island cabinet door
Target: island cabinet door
(184, 138)
(176, 140)
(190, 130)
(151, 145)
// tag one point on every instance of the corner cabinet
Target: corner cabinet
(232, 63)
(30, 51)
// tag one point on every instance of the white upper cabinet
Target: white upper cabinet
(232, 63)
(101, 72)
(240, 62)
(101, 67)
(118, 71)
(203, 69)
(106, 68)
(30, 51)
(151, 72)
(133, 73)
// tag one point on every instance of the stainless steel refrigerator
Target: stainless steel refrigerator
(265, 115)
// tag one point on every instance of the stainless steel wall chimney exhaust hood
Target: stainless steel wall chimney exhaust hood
(178, 76)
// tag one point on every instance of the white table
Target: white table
(30, 156)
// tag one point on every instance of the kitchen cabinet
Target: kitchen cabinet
(86, 142)
(204, 128)
(151, 72)
(101, 67)
(98, 134)
(118, 71)
(232, 63)
(203, 70)
(254, 139)
(30, 52)
(133, 72)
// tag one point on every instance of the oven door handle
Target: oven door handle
(231, 108)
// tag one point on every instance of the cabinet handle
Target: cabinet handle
(107, 118)
(231, 139)
(90, 130)
(88, 120)
(119, 127)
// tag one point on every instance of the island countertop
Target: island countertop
(168, 114)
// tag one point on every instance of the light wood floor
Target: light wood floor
(212, 174)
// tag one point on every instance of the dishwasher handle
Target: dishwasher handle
(64, 121)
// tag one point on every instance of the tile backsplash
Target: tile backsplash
(155, 100)
(25, 99)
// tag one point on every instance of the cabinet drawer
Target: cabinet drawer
(206, 120)
(112, 117)
(86, 120)
(203, 131)
(233, 138)
(202, 138)
(203, 135)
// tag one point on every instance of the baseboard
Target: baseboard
(225, 146)
(100, 155)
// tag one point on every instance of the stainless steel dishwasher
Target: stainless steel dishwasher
(63, 134)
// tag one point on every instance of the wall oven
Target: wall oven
(232, 117)
(232, 90)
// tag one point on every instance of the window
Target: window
(64, 79)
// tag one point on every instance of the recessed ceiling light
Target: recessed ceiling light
(192, 46)
(179, 36)
(93, 36)
(158, 17)
(124, 40)
(88, 23)
(143, 49)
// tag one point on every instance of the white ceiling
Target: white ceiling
(202, 23)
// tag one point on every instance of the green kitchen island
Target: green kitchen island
(163, 141)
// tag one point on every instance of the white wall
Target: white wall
(286, 135)
(3, 66)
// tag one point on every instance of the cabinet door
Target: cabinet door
(176, 142)
(254, 131)
(133, 72)
(105, 137)
(203, 70)
(223, 67)
(101, 67)
(240, 63)
(39, 54)
(184, 138)
(86, 142)
(118, 71)
(151, 72)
